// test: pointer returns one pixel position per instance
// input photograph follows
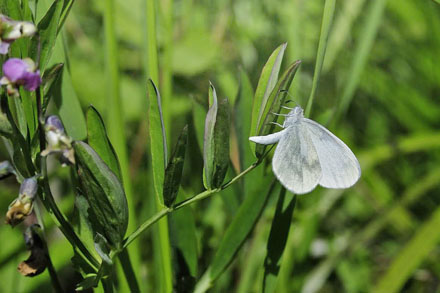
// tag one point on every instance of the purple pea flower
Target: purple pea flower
(11, 30)
(20, 72)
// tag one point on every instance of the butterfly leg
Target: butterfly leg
(277, 124)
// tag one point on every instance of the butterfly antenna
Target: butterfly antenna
(289, 101)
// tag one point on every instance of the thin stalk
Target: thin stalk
(53, 275)
(115, 119)
(327, 19)
(162, 213)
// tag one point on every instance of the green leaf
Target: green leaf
(276, 244)
(97, 138)
(216, 141)
(199, 114)
(368, 34)
(50, 78)
(173, 172)
(274, 103)
(327, 19)
(158, 139)
(237, 232)
(184, 243)
(266, 83)
(42, 45)
(104, 193)
(411, 256)
(5, 126)
(242, 119)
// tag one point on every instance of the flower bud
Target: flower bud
(22, 206)
(11, 30)
(6, 169)
(57, 141)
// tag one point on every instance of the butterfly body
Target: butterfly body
(308, 154)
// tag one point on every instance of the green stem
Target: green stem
(162, 213)
(327, 19)
(124, 258)
(53, 275)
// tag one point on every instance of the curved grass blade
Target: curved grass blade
(327, 19)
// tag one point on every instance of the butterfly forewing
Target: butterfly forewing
(340, 168)
(296, 161)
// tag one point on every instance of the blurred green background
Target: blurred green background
(382, 75)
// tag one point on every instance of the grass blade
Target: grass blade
(327, 19)
(368, 34)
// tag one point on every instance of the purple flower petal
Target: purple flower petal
(32, 80)
(15, 69)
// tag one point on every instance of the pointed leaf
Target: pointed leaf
(173, 172)
(157, 139)
(50, 78)
(42, 45)
(97, 138)
(266, 83)
(274, 103)
(216, 141)
(104, 193)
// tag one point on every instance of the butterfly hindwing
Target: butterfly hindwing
(340, 168)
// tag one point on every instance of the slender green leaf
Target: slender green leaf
(274, 103)
(50, 79)
(237, 232)
(216, 141)
(5, 126)
(97, 138)
(327, 19)
(158, 148)
(159, 157)
(242, 119)
(43, 44)
(266, 83)
(412, 255)
(361, 53)
(276, 244)
(184, 243)
(199, 116)
(104, 193)
(173, 172)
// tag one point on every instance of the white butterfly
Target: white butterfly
(308, 154)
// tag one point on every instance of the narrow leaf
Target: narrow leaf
(276, 244)
(275, 101)
(104, 193)
(216, 141)
(173, 172)
(327, 19)
(5, 126)
(44, 43)
(97, 138)
(157, 139)
(242, 119)
(50, 78)
(266, 83)
(412, 255)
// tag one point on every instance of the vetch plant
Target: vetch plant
(99, 235)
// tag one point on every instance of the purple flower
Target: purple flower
(20, 72)
(57, 141)
(10, 30)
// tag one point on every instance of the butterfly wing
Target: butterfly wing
(340, 168)
(296, 162)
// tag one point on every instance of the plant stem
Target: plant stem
(162, 213)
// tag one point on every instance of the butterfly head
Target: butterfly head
(294, 116)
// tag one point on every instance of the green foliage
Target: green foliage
(368, 72)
